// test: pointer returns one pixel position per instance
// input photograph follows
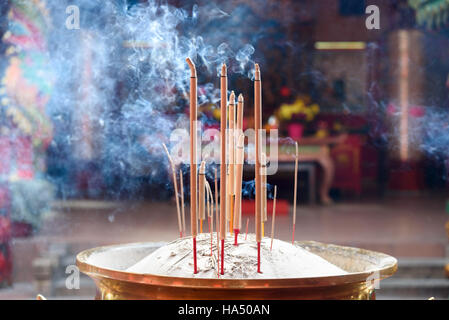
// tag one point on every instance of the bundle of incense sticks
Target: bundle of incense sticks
(231, 171)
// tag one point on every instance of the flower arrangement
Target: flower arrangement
(302, 109)
(297, 114)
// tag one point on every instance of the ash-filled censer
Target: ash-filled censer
(225, 263)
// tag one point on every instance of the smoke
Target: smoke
(121, 84)
(249, 190)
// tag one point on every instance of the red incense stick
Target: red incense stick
(247, 222)
(222, 256)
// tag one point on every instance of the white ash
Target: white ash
(284, 261)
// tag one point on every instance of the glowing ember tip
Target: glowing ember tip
(223, 70)
(232, 98)
(257, 72)
(191, 66)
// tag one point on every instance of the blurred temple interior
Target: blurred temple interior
(87, 100)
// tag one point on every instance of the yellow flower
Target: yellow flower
(284, 112)
(321, 133)
(298, 106)
(309, 116)
(216, 113)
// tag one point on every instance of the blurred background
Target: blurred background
(90, 89)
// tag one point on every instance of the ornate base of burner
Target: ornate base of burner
(106, 265)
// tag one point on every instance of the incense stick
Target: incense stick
(238, 186)
(207, 207)
(201, 196)
(247, 223)
(182, 203)
(223, 104)
(295, 192)
(210, 214)
(193, 160)
(257, 123)
(273, 216)
(240, 105)
(175, 186)
(239, 160)
(264, 192)
(217, 219)
(231, 159)
(228, 198)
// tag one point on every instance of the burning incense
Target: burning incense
(182, 203)
(223, 104)
(295, 192)
(273, 216)
(231, 159)
(239, 116)
(201, 197)
(238, 187)
(193, 160)
(175, 186)
(257, 124)
(264, 192)
(247, 223)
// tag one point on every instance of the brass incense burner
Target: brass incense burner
(105, 266)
